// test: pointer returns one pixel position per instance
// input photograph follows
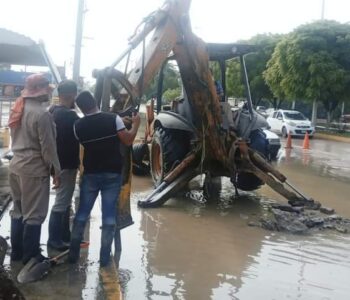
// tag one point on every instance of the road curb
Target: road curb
(110, 282)
(330, 137)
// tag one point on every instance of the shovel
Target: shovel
(35, 270)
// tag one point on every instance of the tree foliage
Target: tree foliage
(256, 65)
(171, 81)
(312, 63)
(234, 84)
(171, 94)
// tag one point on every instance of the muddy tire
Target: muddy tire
(248, 181)
(168, 149)
(140, 159)
(141, 169)
(140, 153)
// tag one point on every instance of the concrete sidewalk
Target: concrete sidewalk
(331, 137)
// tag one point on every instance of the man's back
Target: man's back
(98, 134)
(31, 141)
(67, 144)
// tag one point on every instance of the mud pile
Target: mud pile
(301, 218)
(7, 288)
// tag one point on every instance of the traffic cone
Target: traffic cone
(289, 142)
(306, 143)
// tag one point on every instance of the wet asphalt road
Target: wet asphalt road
(205, 250)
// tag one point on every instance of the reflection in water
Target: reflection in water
(191, 249)
(306, 157)
(204, 249)
(289, 267)
(64, 281)
(194, 250)
(190, 254)
(330, 159)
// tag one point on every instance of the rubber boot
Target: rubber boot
(16, 239)
(106, 244)
(66, 226)
(76, 238)
(117, 247)
(55, 231)
(31, 242)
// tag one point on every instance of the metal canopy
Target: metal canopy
(218, 51)
(18, 49)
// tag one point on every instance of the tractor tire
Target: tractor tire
(140, 152)
(140, 169)
(168, 149)
(248, 181)
(140, 159)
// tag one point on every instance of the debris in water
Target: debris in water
(301, 219)
(197, 196)
(327, 210)
(8, 290)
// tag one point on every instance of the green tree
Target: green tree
(171, 94)
(171, 81)
(312, 63)
(256, 65)
(234, 83)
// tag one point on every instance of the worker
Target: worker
(68, 154)
(100, 133)
(35, 156)
(218, 86)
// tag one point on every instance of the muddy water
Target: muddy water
(191, 249)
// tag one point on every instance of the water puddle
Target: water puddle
(200, 247)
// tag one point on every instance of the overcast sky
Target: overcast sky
(108, 23)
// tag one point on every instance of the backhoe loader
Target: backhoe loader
(200, 133)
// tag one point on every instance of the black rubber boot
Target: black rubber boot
(106, 244)
(55, 231)
(31, 242)
(66, 226)
(76, 238)
(117, 247)
(16, 239)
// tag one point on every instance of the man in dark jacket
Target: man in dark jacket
(68, 154)
(100, 134)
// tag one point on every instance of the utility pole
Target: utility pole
(314, 104)
(322, 12)
(78, 39)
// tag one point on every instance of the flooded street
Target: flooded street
(190, 249)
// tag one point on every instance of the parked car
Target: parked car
(285, 121)
(274, 144)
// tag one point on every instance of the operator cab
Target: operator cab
(176, 121)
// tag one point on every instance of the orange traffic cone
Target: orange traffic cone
(306, 143)
(289, 142)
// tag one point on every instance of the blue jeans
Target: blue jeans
(109, 185)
